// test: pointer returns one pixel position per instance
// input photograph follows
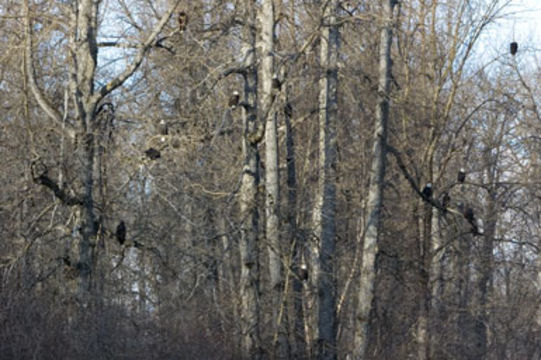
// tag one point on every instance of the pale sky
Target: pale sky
(523, 24)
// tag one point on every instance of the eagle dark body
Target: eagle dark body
(461, 177)
(182, 20)
(234, 100)
(153, 154)
(276, 83)
(513, 48)
(163, 128)
(427, 191)
(303, 272)
(469, 215)
(288, 110)
(445, 199)
(121, 232)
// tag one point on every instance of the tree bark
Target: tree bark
(249, 247)
(325, 205)
(266, 95)
(375, 191)
(425, 256)
(299, 340)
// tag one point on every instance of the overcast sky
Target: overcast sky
(520, 22)
(522, 25)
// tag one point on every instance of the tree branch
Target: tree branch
(128, 72)
(412, 182)
(46, 181)
(30, 74)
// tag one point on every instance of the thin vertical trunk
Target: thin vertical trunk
(249, 247)
(464, 319)
(249, 253)
(265, 96)
(325, 205)
(375, 191)
(298, 341)
(485, 279)
(86, 60)
(437, 269)
(484, 285)
(425, 252)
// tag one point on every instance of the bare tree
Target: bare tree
(323, 246)
(83, 24)
(375, 193)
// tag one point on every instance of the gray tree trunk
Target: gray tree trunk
(265, 96)
(375, 191)
(425, 263)
(325, 204)
(249, 247)
(484, 282)
(437, 279)
(298, 341)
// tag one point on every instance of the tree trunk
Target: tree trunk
(265, 95)
(249, 252)
(298, 341)
(375, 191)
(249, 214)
(425, 255)
(325, 205)
(437, 281)
(484, 284)
(86, 60)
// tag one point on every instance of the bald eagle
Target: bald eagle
(276, 83)
(288, 110)
(461, 175)
(234, 100)
(121, 232)
(513, 48)
(427, 191)
(303, 272)
(162, 127)
(182, 20)
(445, 200)
(153, 154)
(470, 216)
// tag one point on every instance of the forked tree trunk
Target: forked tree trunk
(375, 191)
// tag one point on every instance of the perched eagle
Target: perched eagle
(162, 127)
(276, 83)
(288, 110)
(513, 48)
(461, 175)
(182, 20)
(303, 272)
(427, 191)
(470, 216)
(121, 232)
(234, 100)
(153, 154)
(445, 200)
